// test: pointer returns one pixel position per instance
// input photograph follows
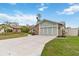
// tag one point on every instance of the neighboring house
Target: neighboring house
(15, 28)
(46, 27)
(72, 31)
(2, 30)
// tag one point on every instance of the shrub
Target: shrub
(25, 29)
(8, 30)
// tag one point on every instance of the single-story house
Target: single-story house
(72, 31)
(1, 29)
(15, 28)
(47, 27)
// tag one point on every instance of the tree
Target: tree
(9, 23)
(8, 30)
(4, 26)
(38, 17)
(25, 29)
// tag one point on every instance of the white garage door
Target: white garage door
(47, 31)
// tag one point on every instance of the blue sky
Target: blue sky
(25, 13)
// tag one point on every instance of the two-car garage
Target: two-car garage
(48, 28)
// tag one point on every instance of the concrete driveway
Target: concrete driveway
(24, 46)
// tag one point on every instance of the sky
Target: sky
(25, 13)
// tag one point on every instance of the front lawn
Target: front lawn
(11, 35)
(68, 46)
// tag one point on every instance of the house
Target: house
(47, 27)
(15, 27)
(2, 30)
(72, 31)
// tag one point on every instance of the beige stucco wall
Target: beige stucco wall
(71, 31)
(16, 30)
(61, 28)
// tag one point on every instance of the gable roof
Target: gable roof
(49, 21)
(15, 26)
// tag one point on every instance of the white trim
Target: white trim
(57, 30)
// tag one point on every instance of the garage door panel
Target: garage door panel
(46, 31)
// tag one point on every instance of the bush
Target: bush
(25, 29)
(8, 30)
(29, 32)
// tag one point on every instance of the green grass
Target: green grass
(68, 46)
(11, 35)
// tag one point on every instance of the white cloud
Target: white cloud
(42, 4)
(22, 19)
(42, 7)
(72, 9)
(73, 3)
(12, 3)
